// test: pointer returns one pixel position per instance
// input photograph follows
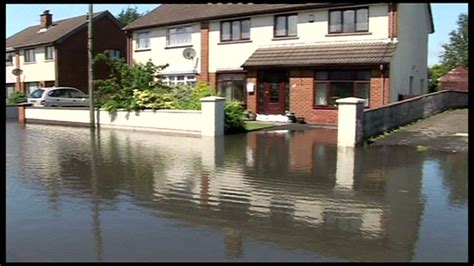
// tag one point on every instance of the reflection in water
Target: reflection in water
(289, 191)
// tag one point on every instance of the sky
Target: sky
(20, 16)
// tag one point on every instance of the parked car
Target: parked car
(58, 97)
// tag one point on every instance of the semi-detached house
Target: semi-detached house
(281, 57)
(54, 53)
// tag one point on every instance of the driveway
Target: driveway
(446, 131)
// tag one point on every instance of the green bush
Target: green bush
(152, 99)
(187, 97)
(17, 97)
(233, 119)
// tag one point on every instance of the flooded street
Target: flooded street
(117, 195)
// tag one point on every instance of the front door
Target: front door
(274, 98)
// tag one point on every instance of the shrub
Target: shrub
(152, 99)
(233, 119)
(187, 97)
(17, 97)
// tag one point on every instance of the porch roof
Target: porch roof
(322, 54)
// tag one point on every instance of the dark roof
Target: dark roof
(169, 14)
(322, 54)
(59, 29)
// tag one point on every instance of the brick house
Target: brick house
(54, 53)
(299, 58)
(457, 78)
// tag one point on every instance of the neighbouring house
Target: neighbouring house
(456, 79)
(54, 53)
(290, 57)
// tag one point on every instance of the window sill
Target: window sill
(29, 63)
(285, 38)
(234, 42)
(48, 60)
(347, 34)
(9, 64)
(179, 46)
(142, 50)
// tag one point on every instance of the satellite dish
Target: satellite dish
(189, 53)
(17, 72)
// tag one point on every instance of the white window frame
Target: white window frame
(143, 40)
(185, 33)
(179, 79)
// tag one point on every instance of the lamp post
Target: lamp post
(89, 49)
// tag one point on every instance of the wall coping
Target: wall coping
(350, 100)
(212, 99)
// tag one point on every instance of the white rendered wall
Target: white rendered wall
(231, 56)
(41, 70)
(160, 54)
(9, 77)
(182, 120)
(411, 55)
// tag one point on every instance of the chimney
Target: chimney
(46, 19)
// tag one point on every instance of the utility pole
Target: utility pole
(91, 72)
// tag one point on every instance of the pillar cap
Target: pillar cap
(212, 99)
(352, 100)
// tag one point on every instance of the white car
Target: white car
(58, 97)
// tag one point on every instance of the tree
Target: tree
(456, 51)
(434, 73)
(129, 15)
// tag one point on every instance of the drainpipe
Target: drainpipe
(383, 82)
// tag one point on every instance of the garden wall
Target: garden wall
(378, 120)
(208, 122)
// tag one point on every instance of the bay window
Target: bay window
(173, 80)
(231, 86)
(332, 85)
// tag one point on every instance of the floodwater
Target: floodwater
(118, 195)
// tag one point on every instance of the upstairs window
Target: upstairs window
(179, 36)
(143, 40)
(49, 52)
(30, 55)
(285, 25)
(349, 20)
(10, 56)
(235, 30)
(114, 54)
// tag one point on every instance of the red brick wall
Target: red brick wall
(376, 89)
(204, 75)
(212, 80)
(302, 97)
(72, 54)
(252, 98)
(392, 20)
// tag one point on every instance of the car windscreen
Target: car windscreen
(37, 93)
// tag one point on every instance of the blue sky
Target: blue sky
(20, 16)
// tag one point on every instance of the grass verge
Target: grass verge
(253, 125)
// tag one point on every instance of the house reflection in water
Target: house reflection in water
(293, 189)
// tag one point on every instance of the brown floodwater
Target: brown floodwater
(73, 194)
